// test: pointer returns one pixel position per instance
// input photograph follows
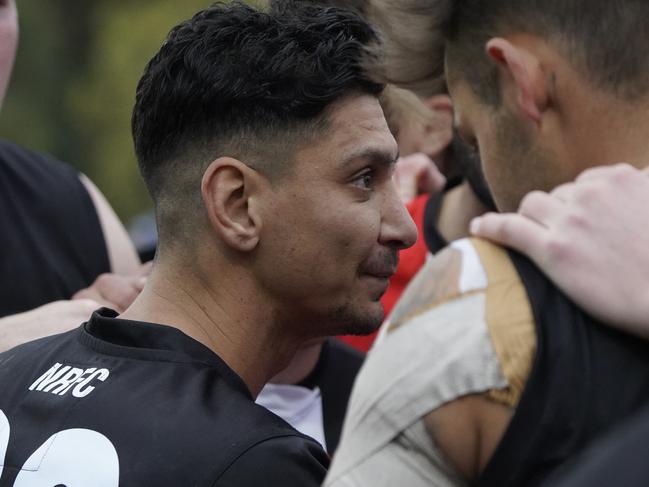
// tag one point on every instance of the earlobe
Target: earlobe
(524, 70)
(439, 130)
(226, 189)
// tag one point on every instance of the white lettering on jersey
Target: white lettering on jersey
(83, 388)
(60, 379)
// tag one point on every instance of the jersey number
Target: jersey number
(70, 458)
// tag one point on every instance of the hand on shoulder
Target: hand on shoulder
(590, 237)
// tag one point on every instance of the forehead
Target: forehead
(355, 125)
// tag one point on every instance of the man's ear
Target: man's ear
(228, 189)
(524, 70)
(439, 129)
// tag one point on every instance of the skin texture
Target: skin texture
(590, 238)
(469, 424)
(115, 291)
(49, 319)
(305, 257)
(342, 190)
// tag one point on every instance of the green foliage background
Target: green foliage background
(74, 82)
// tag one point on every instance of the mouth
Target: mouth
(387, 274)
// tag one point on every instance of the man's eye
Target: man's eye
(364, 181)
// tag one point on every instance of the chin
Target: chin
(358, 321)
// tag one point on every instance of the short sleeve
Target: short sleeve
(286, 460)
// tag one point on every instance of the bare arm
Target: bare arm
(591, 238)
(49, 319)
(110, 290)
(121, 252)
(468, 430)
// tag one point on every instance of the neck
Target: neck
(459, 206)
(303, 362)
(606, 130)
(233, 321)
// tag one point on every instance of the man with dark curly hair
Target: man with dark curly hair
(269, 161)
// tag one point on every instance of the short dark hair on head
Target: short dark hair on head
(358, 6)
(242, 82)
(605, 40)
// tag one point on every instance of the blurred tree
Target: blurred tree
(102, 97)
(49, 56)
(74, 84)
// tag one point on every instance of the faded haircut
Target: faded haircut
(241, 82)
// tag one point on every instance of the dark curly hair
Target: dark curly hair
(246, 83)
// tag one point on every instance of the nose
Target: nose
(397, 228)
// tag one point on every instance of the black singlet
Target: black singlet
(51, 242)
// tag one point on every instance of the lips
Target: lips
(382, 266)
(386, 274)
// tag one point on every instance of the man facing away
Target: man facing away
(269, 161)
(486, 373)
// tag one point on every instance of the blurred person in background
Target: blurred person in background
(64, 251)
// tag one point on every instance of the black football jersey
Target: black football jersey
(124, 403)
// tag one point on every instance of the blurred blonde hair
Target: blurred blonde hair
(411, 52)
(400, 105)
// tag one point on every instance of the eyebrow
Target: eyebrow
(376, 156)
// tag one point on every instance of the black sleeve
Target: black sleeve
(619, 459)
(287, 460)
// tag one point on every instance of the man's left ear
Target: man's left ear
(230, 189)
(523, 69)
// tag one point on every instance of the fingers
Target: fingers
(114, 291)
(416, 174)
(512, 230)
(601, 172)
(564, 192)
(431, 180)
(540, 207)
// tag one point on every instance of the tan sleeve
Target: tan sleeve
(509, 320)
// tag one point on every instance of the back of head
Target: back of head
(240, 82)
(604, 40)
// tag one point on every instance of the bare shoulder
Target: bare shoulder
(121, 251)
